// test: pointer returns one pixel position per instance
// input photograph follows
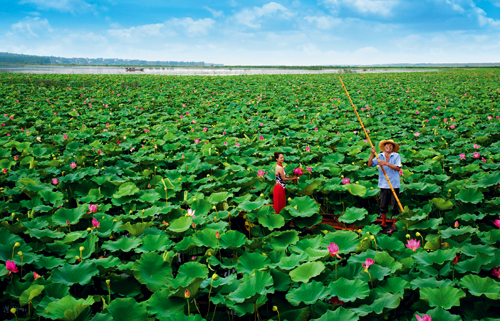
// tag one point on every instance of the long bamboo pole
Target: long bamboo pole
(371, 144)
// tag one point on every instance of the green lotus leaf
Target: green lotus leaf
(123, 285)
(217, 198)
(202, 207)
(305, 243)
(444, 297)
(458, 234)
(48, 262)
(127, 310)
(355, 189)
(290, 262)
(439, 314)
(303, 207)
(308, 222)
(387, 261)
(438, 257)
(232, 240)
(51, 197)
(353, 214)
(393, 285)
(470, 195)
(389, 301)
(69, 274)
(126, 189)
(281, 281)
(339, 314)
(281, 240)
(473, 265)
(30, 293)
(441, 204)
(180, 225)
(206, 237)
(345, 240)
(72, 215)
(252, 206)
(271, 221)
(349, 291)
(252, 261)
(161, 305)
(306, 271)
(45, 233)
(187, 272)
(124, 244)
(149, 197)
(154, 243)
(489, 180)
(312, 187)
(430, 282)
(88, 249)
(136, 229)
(308, 293)
(314, 255)
(152, 271)
(56, 290)
(68, 308)
(107, 263)
(478, 286)
(252, 286)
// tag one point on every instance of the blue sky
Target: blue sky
(254, 32)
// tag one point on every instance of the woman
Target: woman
(279, 197)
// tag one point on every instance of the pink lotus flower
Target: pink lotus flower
(107, 124)
(496, 273)
(346, 181)
(445, 120)
(475, 146)
(452, 126)
(36, 275)
(146, 131)
(456, 224)
(191, 212)
(489, 117)
(316, 129)
(400, 172)
(92, 208)
(225, 143)
(261, 138)
(497, 223)
(11, 266)
(476, 155)
(95, 222)
(298, 171)
(307, 148)
(261, 173)
(196, 140)
(462, 156)
(16, 157)
(484, 160)
(261, 124)
(423, 318)
(224, 133)
(72, 165)
(367, 263)
(309, 169)
(237, 144)
(205, 129)
(217, 235)
(334, 250)
(187, 113)
(413, 244)
(416, 134)
(55, 181)
(65, 136)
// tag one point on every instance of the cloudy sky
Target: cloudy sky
(254, 32)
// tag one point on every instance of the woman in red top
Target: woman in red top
(279, 197)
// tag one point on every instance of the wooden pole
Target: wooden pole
(371, 144)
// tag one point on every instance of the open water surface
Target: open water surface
(189, 71)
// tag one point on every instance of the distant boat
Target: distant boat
(134, 69)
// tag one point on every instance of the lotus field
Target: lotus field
(150, 198)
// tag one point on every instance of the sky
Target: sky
(254, 32)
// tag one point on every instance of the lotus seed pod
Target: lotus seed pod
(194, 199)
(408, 236)
(89, 229)
(372, 237)
(418, 234)
(13, 310)
(17, 244)
(82, 248)
(275, 308)
(108, 281)
(261, 195)
(77, 257)
(215, 277)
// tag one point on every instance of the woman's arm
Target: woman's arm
(283, 177)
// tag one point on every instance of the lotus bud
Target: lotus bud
(408, 236)
(180, 178)
(194, 199)
(107, 282)
(215, 277)
(214, 208)
(449, 190)
(17, 244)
(359, 231)
(208, 175)
(130, 212)
(275, 308)
(418, 234)
(13, 310)
(187, 294)
(20, 253)
(13, 214)
(366, 238)
(261, 195)
(289, 199)
(217, 235)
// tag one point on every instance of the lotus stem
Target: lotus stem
(366, 271)
(336, 268)
(196, 306)
(22, 258)
(189, 312)
(213, 316)
(210, 291)
(218, 246)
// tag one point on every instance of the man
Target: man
(391, 161)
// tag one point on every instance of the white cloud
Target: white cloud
(192, 27)
(31, 27)
(61, 5)
(484, 20)
(137, 32)
(376, 7)
(215, 13)
(252, 17)
(323, 22)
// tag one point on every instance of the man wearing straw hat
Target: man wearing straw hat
(391, 161)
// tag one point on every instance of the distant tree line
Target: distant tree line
(23, 59)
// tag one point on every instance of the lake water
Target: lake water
(207, 71)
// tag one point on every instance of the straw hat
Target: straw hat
(382, 143)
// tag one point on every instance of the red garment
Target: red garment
(279, 198)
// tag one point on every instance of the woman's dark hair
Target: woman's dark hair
(277, 155)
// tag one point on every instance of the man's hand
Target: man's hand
(383, 163)
(374, 151)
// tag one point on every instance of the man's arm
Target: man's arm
(395, 167)
(372, 162)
